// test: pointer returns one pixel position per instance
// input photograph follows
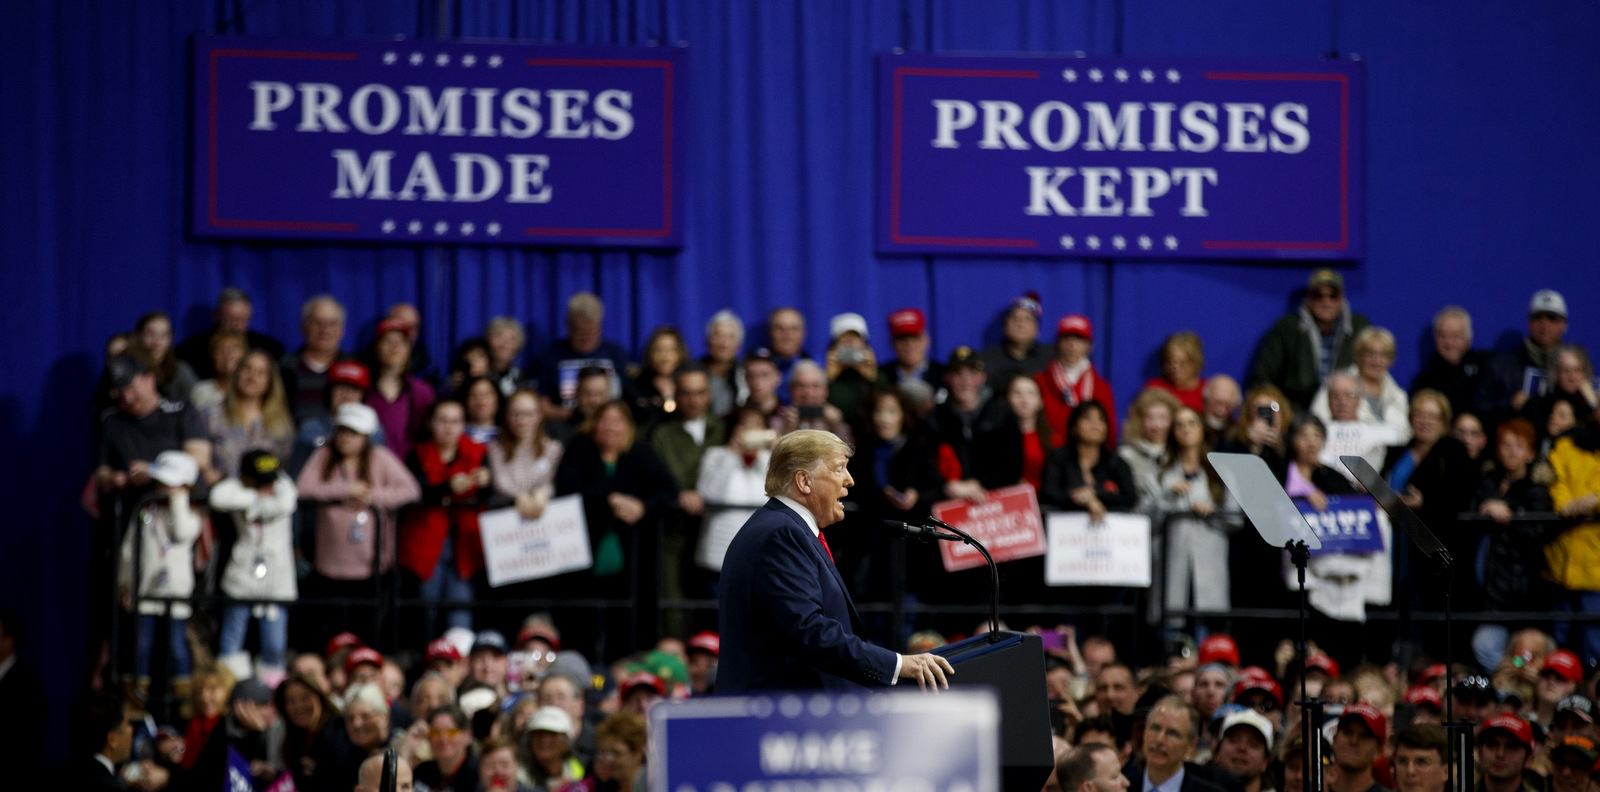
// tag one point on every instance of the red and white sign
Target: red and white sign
(1008, 523)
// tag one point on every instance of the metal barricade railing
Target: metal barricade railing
(391, 608)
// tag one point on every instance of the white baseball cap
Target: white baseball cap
(1253, 719)
(1548, 301)
(174, 469)
(550, 719)
(846, 322)
(358, 418)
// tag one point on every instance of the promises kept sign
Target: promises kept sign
(435, 141)
(1119, 157)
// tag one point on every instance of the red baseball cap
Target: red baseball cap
(1075, 324)
(341, 641)
(392, 325)
(907, 322)
(638, 678)
(349, 372)
(362, 655)
(1565, 664)
(1268, 686)
(1324, 663)
(1217, 648)
(706, 641)
(1255, 672)
(1370, 716)
(543, 632)
(441, 649)
(1516, 726)
(1424, 696)
(1435, 671)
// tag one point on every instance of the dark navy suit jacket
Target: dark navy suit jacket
(786, 620)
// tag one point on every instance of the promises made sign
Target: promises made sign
(436, 141)
(1119, 157)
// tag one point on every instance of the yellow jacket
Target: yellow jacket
(1574, 556)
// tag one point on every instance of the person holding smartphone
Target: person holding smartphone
(808, 385)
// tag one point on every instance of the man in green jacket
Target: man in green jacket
(1304, 347)
(681, 443)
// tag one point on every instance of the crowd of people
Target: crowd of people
(236, 476)
(1199, 721)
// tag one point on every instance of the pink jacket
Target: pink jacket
(345, 547)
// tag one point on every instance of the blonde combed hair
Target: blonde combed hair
(799, 450)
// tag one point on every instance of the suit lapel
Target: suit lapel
(821, 557)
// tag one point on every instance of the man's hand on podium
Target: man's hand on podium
(928, 669)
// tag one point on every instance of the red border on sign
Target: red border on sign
(211, 149)
(1344, 163)
(666, 149)
(894, 161)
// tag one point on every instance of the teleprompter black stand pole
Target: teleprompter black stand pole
(1310, 708)
(1458, 755)
(1280, 524)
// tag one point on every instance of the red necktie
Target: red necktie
(825, 547)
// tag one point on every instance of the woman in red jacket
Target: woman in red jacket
(1071, 380)
(439, 541)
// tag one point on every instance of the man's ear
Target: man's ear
(802, 482)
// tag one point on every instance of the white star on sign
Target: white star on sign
(1147, 75)
(416, 59)
(1070, 75)
(1122, 75)
(441, 227)
(1067, 242)
(1094, 74)
(389, 58)
(468, 228)
(1118, 242)
(1172, 75)
(388, 226)
(1171, 242)
(494, 229)
(494, 61)
(414, 226)
(469, 59)
(442, 59)
(1094, 242)
(1144, 242)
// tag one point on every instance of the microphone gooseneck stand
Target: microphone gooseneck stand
(929, 531)
(994, 575)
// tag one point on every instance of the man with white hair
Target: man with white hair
(785, 616)
(583, 348)
(1455, 368)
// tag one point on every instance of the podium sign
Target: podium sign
(1008, 524)
(906, 740)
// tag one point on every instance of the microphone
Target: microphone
(922, 532)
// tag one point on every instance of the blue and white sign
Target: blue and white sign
(894, 742)
(1116, 157)
(1348, 526)
(438, 141)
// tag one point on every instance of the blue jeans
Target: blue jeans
(444, 585)
(179, 664)
(273, 629)
(1588, 644)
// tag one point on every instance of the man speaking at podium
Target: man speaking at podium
(786, 620)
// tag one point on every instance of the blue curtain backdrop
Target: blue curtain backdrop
(1481, 187)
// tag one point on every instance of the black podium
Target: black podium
(1013, 665)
